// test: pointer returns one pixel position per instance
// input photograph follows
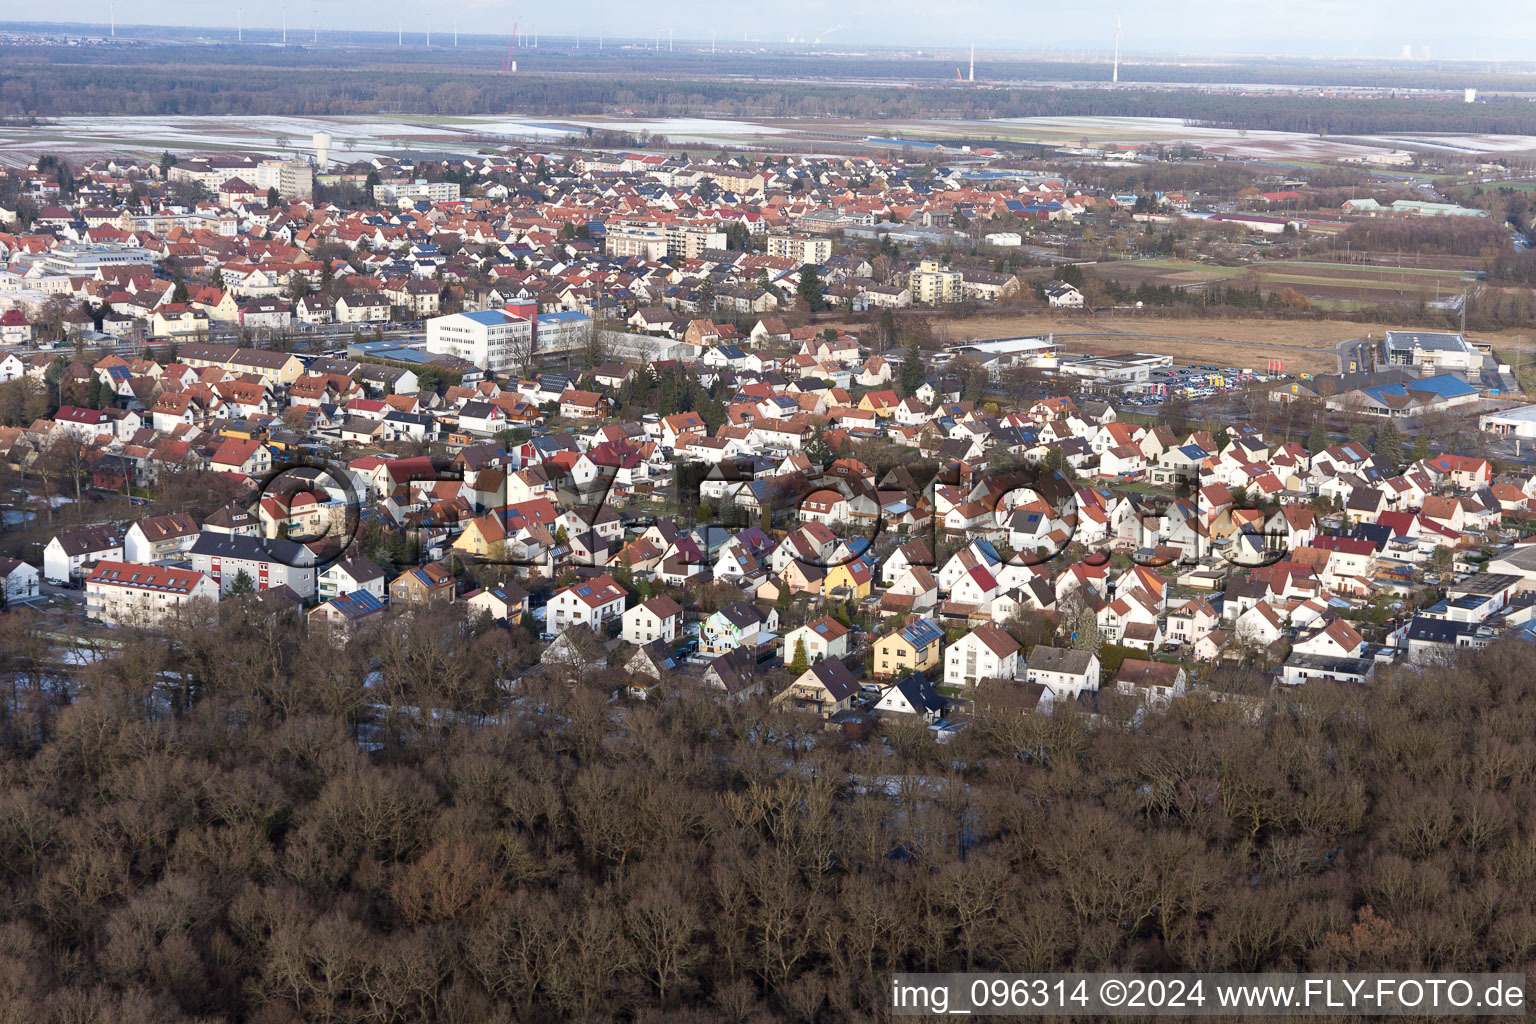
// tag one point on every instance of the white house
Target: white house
(68, 553)
(657, 619)
(1064, 671)
(823, 638)
(349, 576)
(986, 652)
(588, 603)
(913, 695)
(21, 580)
(160, 538)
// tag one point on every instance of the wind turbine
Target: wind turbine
(285, 24)
(239, 24)
(455, 35)
(112, 15)
(429, 31)
(973, 62)
(1116, 79)
(315, 13)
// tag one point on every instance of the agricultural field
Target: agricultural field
(1350, 284)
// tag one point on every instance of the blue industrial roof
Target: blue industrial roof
(566, 316)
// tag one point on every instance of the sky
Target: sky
(1483, 29)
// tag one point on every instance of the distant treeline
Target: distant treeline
(1452, 236)
(51, 89)
(485, 52)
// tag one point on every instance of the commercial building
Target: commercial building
(492, 339)
(1519, 422)
(1431, 351)
(87, 260)
(1130, 369)
(565, 331)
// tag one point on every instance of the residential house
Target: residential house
(915, 647)
(821, 639)
(68, 554)
(986, 652)
(590, 603)
(1065, 671)
(432, 583)
(824, 689)
(660, 618)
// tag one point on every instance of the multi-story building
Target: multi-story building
(565, 331)
(87, 260)
(935, 284)
(690, 240)
(393, 193)
(121, 592)
(800, 249)
(647, 241)
(492, 339)
(1431, 351)
(293, 179)
(650, 240)
(265, 562)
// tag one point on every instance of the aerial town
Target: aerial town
(602, 514)
(659, 414)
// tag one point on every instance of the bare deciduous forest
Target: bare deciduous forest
(237, 822)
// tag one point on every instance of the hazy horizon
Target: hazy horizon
(1177, 28)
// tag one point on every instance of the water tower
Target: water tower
(322, 141)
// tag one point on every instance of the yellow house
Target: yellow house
(482, 537)
(881, 403)
(855, 578)
(914, 648)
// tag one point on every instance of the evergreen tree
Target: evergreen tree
(273, 198)
(801, 661)
(242, 585)
(818, 451)
(886, 332)
(810, 290)
(911, 376)
(179, 294)
(1389, 446)
(1421, 447)
(1317, 437)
